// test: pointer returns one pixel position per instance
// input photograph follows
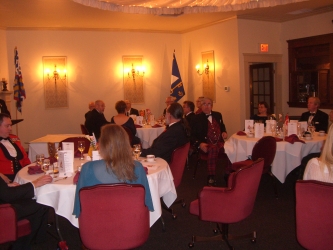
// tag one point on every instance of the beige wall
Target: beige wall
(94, 61)
(94, 65)
(220, 38)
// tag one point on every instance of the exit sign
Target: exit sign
(263, 47)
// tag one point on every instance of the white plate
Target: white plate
(308, 138)
(250, 135)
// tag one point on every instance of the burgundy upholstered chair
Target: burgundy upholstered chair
(177, 166)
(314, 206)
(10, 228)
(113, 216)
(229, 205)
(264, 148)
(84, 130)
(77, 153)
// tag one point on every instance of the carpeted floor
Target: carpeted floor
(273, 219)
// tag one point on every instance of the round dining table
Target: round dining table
(148, 134)
(61, 192)
(288, 155)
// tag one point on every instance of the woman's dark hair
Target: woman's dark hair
(120, 107)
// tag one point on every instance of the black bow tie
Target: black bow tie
(208, 115)
(1, 138)
(312, 114)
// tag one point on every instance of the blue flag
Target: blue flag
(19, 92)
(177, 86)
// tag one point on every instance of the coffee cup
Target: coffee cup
(150, 158)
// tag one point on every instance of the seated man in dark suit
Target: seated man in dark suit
(12, 155)
(315, 116)
(188, 108)
(3, 107)
(208, 133)
(21, 198)
(168, 101)
(130, 110)
(96, 119)
(176, 134)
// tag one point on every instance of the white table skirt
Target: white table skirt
(39, 146)
(60, 195)
(288, 156)
(147, 135)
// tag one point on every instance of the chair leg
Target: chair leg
(163, 223)
(195, 168)
(169, 209)
(274, 184)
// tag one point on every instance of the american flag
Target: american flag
(19, 92)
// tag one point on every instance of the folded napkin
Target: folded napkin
(35, 169)
(241, 133)
(156, 126)
(146, 169)
(293, 138)
(138, 126)
(76, 178)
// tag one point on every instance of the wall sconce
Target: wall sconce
(56, 74)
(135, 72)
(206, 69)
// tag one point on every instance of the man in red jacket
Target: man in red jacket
(12, 154)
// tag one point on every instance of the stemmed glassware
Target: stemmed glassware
(137, 151)
(81, 147)
(39, 159)
(311, 127)
(46, 165)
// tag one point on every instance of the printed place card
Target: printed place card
(249, 126)
(292, 128)
(68, 146)
(65, 163)
(259, 130)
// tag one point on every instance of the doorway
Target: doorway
(261, 86)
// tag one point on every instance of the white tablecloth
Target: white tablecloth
(288, 156)
(39, 146)
(147, 135)
(60, 195)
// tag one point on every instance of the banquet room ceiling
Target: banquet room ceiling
(68, 15)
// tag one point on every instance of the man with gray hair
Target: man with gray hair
(96, 119)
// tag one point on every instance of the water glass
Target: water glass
(46, 165)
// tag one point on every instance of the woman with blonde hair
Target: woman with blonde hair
(117, 165)
(321, 169)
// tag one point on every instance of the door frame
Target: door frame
(276, 59)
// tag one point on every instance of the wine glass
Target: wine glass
(46, 165)
(56, 154)
(137, 151)
(273, 129)
(311, 127)
(81, 147)
(39, 160)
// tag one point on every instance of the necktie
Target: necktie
(1, 138)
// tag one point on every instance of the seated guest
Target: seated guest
(263, 113)
(315, 116)
(12, 155)
(208, 133)
(125, 121)
(198, 104)
(176, 134)
(96, 119)
(188, 108)
(168, 101)
(3, 107)
(130, 110)
(306, 159)
(91, 106)
(21, 198)
(117, 166)
(321, 169)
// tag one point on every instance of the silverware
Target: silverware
(61, 179)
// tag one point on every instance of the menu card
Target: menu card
(292, 128)
(65, 163)
(269, 124)
(259, 130)
(249, 126)
(68, 146)
(96, 156)
(139, 120)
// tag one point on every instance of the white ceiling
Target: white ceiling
(66, 14)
